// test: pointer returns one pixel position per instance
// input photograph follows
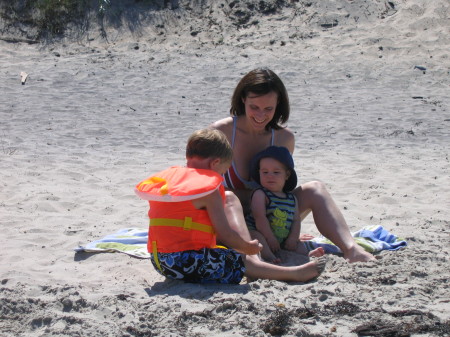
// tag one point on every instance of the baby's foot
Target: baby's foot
(271, 258)
(274, 260)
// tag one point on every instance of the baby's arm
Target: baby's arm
(214, 206)
(293, 239)
(258, 207)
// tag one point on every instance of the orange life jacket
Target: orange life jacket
(175, 224)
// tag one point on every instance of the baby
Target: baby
(274, 219)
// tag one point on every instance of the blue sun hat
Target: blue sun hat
(281, 154)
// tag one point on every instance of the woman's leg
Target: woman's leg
(235, 215)
(329, 220)
(255, 269)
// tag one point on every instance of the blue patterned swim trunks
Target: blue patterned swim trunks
(207, 265)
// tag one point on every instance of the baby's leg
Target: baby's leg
(266, 253)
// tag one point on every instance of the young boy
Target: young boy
(187, 215)
(274, 218)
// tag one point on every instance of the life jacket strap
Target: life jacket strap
(186, 224)
(147, 184)
(155, 255)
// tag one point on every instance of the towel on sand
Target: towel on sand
(133, 241)
(372, 238)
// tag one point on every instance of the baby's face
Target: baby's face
(273, 174)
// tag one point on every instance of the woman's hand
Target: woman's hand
(306, 237)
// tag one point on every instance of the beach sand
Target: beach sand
(369, 84)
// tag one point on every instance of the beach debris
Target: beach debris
(330, 24)
(421, 68)
(278, 322)
(17, 40)
(133, 46)
(23, 76)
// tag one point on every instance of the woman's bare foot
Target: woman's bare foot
(318, 252)
(358, 254)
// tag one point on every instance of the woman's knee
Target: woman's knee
(311, 193)
(312, 188)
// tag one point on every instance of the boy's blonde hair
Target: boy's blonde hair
(209, 143)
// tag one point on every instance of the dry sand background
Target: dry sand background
(97, 116)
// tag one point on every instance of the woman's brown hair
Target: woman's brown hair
(261, 81)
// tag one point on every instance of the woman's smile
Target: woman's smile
(261, 109)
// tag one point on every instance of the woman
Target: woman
(259, 106)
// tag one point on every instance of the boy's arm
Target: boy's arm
(292, 240)
(214, 205)
(258, 207)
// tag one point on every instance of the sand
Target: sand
(369, 83)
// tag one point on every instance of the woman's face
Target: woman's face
(260, 109)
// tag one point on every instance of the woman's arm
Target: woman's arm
(258, 207)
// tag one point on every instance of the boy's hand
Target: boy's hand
(254, 247)
(291, 244)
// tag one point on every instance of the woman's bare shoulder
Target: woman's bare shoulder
(225, 125)
(222, 124)
(285, 137)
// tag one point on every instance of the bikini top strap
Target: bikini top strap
(234, 131)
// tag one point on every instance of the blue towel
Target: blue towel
(372, 238)
(133, 241)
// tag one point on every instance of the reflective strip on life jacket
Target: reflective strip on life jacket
(186, 224)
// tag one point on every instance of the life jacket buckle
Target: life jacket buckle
(187, 223)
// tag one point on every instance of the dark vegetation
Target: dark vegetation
(39, 19)
(47, 17)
